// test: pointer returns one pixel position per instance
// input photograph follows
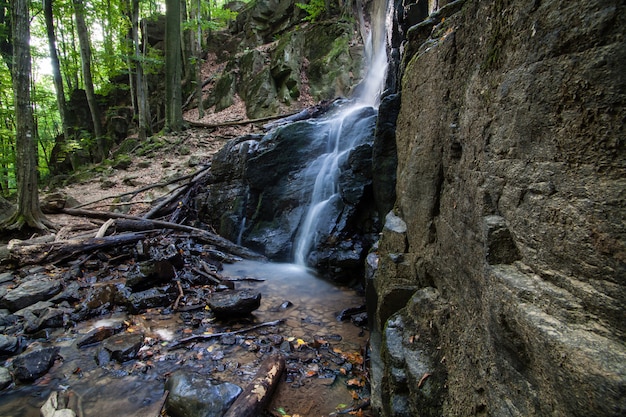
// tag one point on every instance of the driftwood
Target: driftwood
(148, 224)
(196, 337)
(26, 253)
(253, 399)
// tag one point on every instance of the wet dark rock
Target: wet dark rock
(234, 303)
(262, 181)
(124, 346)
(359, 319)
(5, 377)
(35, 289)
(31, 365)
(193, 395)
(99, 334)
(70, 294)
(6, 277)
(347, 313)
(154, 297)
(100, 295)
(102, 357)
(9, 345)
(150, 273)
(41, 315)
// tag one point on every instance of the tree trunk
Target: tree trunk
(85, 55)
(142, 101)
(173, 93)
(28, 211)
(56, 68)
(199, 60)
(6, 46)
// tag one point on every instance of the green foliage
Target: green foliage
(314, 9)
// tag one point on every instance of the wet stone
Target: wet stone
(29, 293)
(6, 277)
(9, 345)
(359, 319)
(41, 315)
(150, 273)
(5, 378)
(33, 364)
(234, 303)
(99, 334)
(154, 297)
(102, 357)
(193, 395)
(124, 346)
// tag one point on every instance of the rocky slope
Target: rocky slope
(506, 247)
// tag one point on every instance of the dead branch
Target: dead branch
(256, 396)
(145, 188)
(181, 294)
(214, 335)
(204, 235)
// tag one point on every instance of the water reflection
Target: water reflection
(134, 388)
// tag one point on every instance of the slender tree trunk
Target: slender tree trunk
(56, 67)
(28, 211)
(85, 55)
(128, 48)
(6, 47)
(142, 105)
(199, 60)
(173, 93)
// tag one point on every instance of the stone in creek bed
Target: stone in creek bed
(234, 303)
(99, 334)
(193, 395)
(5, 378)
(31, 365)
(124, 346)
(30, 292)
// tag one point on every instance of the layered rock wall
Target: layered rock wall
(500, 287)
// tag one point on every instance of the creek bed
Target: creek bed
(322, 353)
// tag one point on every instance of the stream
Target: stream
(318, 346)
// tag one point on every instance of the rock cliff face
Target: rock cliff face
(506, 248)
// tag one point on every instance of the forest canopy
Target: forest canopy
(91, 51)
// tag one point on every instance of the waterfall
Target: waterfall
(337, 131)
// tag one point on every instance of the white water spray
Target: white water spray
(326, 167)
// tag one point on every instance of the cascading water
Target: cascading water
(338, 132)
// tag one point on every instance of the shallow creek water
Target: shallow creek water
(134, 388)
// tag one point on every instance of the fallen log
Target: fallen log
(39, 253)
(237, 122)
(204, 235)
(256, 396)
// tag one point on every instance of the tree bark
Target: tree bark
(258, 393)
(56, 67)
(28, 211)
(142, 100)
(6, 44)
(173, 68)
(198, 51)
(85, 55)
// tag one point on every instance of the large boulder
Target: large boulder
(260, 190)
(511, 179)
